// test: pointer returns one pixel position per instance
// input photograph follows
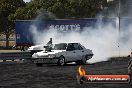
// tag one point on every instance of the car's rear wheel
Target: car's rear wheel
(39, 64)
(61, 61)
(84, 60)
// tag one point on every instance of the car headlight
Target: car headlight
(51, 55)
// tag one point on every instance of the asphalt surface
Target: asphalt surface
(28, 75)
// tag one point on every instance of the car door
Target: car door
(78, 51)
(70, 52)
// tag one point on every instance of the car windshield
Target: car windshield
(60, 46)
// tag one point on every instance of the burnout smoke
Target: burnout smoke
(102, 40)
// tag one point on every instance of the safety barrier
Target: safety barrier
(13, 56)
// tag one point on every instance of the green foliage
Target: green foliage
(10, 5)
(7, 9)
(61, 8)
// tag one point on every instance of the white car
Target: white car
(63, 53)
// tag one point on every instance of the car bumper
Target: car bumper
(45, 60)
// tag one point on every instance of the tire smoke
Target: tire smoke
(102, 40)
(105, 41)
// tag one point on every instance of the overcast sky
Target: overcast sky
(27, 0)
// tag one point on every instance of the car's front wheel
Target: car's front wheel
(61, 61)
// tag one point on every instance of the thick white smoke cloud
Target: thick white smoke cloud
(126, 40)
(102, 40)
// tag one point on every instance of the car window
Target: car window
(74, 46)
(70, 47)
(80, 48)
(61, 46)
(77, 46)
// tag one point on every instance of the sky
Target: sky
(26, 0)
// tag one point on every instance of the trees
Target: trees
(61, 8)
(8, 7)
(27, 12)
(86, 8)
(75, 8)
